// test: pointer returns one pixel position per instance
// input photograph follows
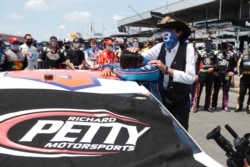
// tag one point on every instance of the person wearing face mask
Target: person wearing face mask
(107, 55)
(135, 43)
(176, 61)
(2, 49)
(66, 46)
(205, 68)
(51, 57)
(13, 58)
(75, 58)
(93, 54)
(226, 62)
(30, 52)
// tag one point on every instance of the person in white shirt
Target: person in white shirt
(175, 58)
(30, 52)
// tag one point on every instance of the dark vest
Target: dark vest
(176, 91)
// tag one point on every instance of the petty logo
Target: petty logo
(68, 132)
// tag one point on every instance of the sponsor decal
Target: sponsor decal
(68, 132)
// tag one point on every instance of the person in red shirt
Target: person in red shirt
(107, 55)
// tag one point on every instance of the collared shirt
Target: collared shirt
(31, 54)
(187, 77)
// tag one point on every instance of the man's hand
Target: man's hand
(210, 70)
(106, 72)
(246, 164)
(230, 74)
(133, 50)
(159, 64)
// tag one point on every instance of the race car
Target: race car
(65, 118)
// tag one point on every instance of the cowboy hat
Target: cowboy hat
(168, 22)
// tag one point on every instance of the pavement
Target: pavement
(202, 122)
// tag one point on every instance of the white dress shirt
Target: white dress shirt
(187, 77)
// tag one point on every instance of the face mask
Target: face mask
(67, 47)
(109, 47)
(14, 47)
(28, 43)
(224, 46)
(170, 39)
(93, 46)
(76, 45)
(54, 44)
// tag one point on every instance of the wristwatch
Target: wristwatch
(166, 70)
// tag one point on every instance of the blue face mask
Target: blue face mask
(14, 47)
(170, 39)
(109, 47)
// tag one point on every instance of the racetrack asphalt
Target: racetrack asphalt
(203, 122)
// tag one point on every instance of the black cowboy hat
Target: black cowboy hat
(168, 22)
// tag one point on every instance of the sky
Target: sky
(61, 18)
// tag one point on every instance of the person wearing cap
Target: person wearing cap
(13, 58)
(75, 58)
(176, 60)
(51, 57)
(82, 44)
(204, 69)
(30, 52)
(226, 61)
(107, 55)
(93, 54)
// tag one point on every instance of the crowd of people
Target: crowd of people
(175, 70)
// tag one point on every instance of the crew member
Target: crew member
(75, 58)
(223, 72)
(107, 55)
(51, 57)
(244, 73)
(205, 63)
(13, 58)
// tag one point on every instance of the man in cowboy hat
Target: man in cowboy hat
(175, 58)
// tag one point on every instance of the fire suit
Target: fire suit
(205, 63)
(244, 73)
(225, 63)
